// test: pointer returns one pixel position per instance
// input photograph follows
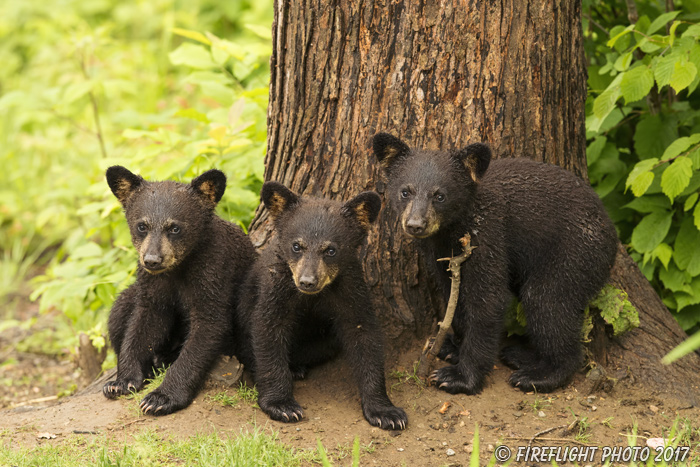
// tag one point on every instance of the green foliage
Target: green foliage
(643, 130)
(167, 89)
(616, 309)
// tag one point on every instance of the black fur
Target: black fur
(181, 311)
(540, 233)
(310, 301)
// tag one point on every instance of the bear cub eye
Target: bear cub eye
(143, 228)
(174, 230)
(330, 252)
(296, 248)
(405, 193)
(440, 198)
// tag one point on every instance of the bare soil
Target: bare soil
(440, 432)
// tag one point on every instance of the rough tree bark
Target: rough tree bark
(439, 75)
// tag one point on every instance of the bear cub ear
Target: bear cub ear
(210, 186)
(364, 208)
(389, 150)
(122, 182)
(476, 158)
(277, 198)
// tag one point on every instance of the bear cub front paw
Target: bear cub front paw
(388, 417)
(287, 411)
(451, 379)
(159, 403)
(114, 389)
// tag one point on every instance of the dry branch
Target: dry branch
(433, 345)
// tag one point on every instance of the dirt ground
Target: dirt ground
(440, 430)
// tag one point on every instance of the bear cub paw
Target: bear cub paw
(287, 411)
(114, 389)
(450, 379)
(517, 357)
(540, 380)
(159, 403)
(449, 352)
(387, 417)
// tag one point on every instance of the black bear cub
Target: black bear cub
(540, 232)
(181, 311)
(310, 301)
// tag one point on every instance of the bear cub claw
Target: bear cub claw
(114, 389)
(386, 417)
(449, 352)
(451, 380)
(528, 380)
(288, 411)
(158, 403)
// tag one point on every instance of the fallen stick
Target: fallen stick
(433, 345)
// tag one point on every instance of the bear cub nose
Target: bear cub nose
(152, 261)
(308, 283)
(416, 226)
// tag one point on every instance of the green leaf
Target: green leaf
(649, 203)
(192, 55)
(672, 32)
(696, 216)
(681, 350)
(674, 279)
(684, 73)
(651, 44)
(676, 177)
(680, 145)
(661, 21)
(605, 102)
(663, 253)
(641, 183)
(641, 176)
(690, 202)
(616, 37)
(653, 135)
(651, 231)
(594, 149)
(623, 61)
(192, 114)
(636, 83)
(76, 90)
(686, 252)
(194, 35)
(692, 31)
(663, 69)
(263, 32)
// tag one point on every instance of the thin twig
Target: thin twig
(558, 440)
(544, 432)
(632, 14)
(596, 24)
(95, 109)
(431, 350)
(40, 399)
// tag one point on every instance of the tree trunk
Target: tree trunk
(438, 75)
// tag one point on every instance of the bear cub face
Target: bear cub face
(316, 240)
(427, 187)
(164, 217)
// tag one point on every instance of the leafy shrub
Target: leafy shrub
(92, 85)
(643, 130)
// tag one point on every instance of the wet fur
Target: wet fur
(185, 315)
(293, 331)
(541, 234)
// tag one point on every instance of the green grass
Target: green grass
(248, 447)
(242, 394)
